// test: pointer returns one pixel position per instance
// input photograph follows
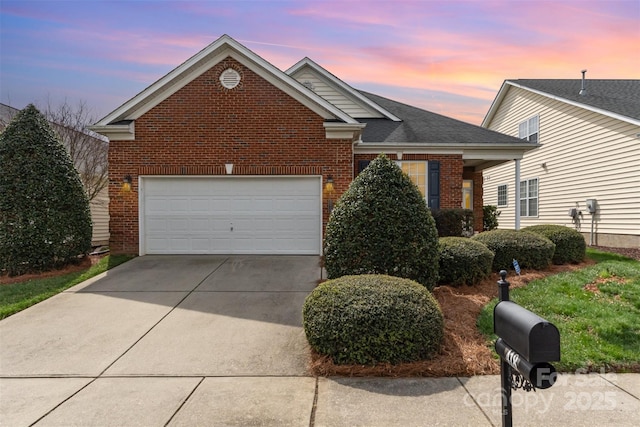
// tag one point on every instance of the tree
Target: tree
(382, 225)
(88, 150)
(44, 212)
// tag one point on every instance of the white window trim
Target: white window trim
(528, 133)
(506, 196)
(527, 198)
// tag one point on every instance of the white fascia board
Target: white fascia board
(495, 105)
(205, 59)
(375, 148)
(505, 154)
(468, 151)
(341, 86)
(336, 130)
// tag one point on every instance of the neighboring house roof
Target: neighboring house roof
(614, 98)
(6, 115)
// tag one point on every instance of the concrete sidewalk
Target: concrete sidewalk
(218, 341)
(577, 400)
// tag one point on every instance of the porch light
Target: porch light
(328, 188)
(126, 184)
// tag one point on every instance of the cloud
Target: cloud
(446, 56)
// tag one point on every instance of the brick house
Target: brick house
(229, 154)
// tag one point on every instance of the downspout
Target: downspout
(517, 203)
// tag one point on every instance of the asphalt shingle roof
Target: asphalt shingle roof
(421, 126)
(618, 96)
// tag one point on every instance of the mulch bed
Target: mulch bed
(82, 264)
(464, 350)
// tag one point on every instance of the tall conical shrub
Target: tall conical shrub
(44, 212)
(382, 225)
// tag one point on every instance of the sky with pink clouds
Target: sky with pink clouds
(449, 57)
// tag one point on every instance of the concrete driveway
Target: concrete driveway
(168, 321)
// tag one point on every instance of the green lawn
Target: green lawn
(18, 296)
(596, 310)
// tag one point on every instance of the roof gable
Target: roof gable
(337, 92)
(613, 98)
(119, 123)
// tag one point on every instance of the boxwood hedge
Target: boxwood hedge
(529, 249)
(373, 318)
(570, 244)
(463, 261)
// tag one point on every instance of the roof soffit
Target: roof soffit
(207, 58)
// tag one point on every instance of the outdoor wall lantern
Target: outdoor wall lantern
(328, 188)
(126, 184)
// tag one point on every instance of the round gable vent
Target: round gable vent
(230, 78)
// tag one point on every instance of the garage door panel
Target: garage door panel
(200, 205)
(232, 215)
(156, 204)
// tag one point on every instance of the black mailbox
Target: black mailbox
(534, 338)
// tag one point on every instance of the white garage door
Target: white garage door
(231, 215)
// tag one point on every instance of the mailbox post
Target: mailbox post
(505, 368)
(526, 343)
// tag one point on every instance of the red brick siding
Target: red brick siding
(195, 131)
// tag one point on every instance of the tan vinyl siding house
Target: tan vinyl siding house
(590, 149)
(99, 207)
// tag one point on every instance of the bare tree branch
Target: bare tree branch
(88, 150)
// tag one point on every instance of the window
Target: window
(467, 194)
(502, 195)
(529, 197)
(417, 171)
(529, 129)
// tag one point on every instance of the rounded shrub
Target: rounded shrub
(373, 318)
(570, 245)
(463, 261)
(530, 250)
(382, 225)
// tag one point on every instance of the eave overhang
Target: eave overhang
(337, 130)
(478, 156)
(116, 132)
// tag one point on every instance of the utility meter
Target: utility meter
(591, 205)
